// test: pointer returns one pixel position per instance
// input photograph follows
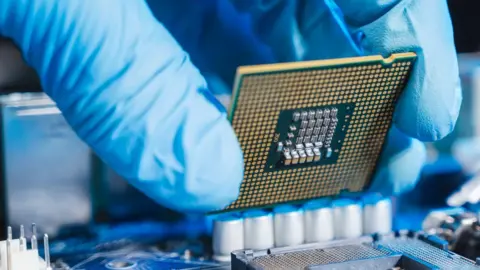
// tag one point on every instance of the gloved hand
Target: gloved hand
(130, 91)
(429, 107)
(286, 30)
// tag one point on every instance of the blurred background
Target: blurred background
(50, 177)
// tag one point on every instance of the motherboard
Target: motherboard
(311, 134)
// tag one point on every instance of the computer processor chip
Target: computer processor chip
(313, 129)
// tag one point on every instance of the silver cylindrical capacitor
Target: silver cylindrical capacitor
(228, 236)
(377, 214)
(258, 230)
(288, 226)
(318, 220)
(348, 218)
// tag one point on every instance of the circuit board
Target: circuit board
(142, 260)
(137, 245)
(313, 129)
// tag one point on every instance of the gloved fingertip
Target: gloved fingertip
(211, 180)
(428, 118)
(211, 157)
(429, 105)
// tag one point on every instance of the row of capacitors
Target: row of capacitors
(317, 221)
(305, 153)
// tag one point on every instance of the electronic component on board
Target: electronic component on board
(360, 253)
(227, 236)
(348, 219)
(15, 254)
(343, 107)
(377, 215)
(318, 221)
(258, 230)
(288, 226)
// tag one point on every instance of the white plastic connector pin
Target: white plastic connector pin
(33, 240)
(15, 255)
(46, 248)
(9, 233)
(22, 240)
(9, 251)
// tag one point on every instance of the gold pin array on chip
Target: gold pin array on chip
(280, 113)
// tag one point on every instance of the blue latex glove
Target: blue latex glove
(130, 91)
(218, 39)
(429, 107)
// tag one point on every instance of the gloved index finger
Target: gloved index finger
(131, 92)
(429, 107)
